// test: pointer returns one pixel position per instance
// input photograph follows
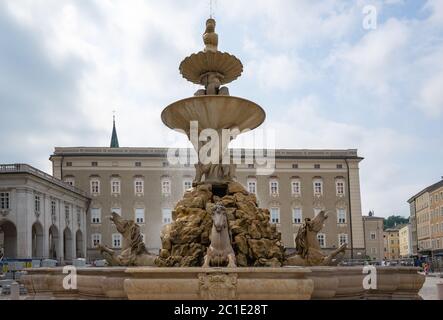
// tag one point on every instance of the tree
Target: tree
(393, 221)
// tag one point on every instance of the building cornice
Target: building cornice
(431, 188)
(288, 154)
(20, 168)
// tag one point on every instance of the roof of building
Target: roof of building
(26, 168)
(162, 152)
(427, 189)
(114, 138)
(392, 230)
(372, 218)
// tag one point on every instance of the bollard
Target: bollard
(15, 291)
(439, 286)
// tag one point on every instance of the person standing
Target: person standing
(426, 268)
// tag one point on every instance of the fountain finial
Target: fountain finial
(211, 61)
(210, 38)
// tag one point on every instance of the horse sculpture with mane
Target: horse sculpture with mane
(220, 252)
(134, 252)
(308, 252)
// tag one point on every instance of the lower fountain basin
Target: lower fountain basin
(287, 283)
(213, 112)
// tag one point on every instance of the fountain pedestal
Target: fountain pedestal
(287, 283)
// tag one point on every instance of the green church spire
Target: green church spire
(114, 138)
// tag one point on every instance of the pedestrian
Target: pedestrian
(426, 268)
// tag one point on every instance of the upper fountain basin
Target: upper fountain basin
(197, 64)
(213, 112)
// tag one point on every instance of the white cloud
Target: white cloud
(394, 2)
(295, 23)
(436, 8)
(275, 72)
(375, 61)
(432, 96)
(305, 126)
(118, 55)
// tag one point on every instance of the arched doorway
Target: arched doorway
(8, 239)
(67, 244)
(53, 243)
(79, 244)
(37, 240)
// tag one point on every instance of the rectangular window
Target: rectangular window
(166, 187)
(318, 187)
(341, 216)
(250, 166)
(37, 204)
(139, 186)
(70, 181)
(273, 186)
(342, 239)
(140, 215)
(67, 213)
(4, 200)
(340, 188)
(321, 237)
(316, 166)
(117, 211)
(94, 164)
(69, 164)
(373, 236)
(374, 250)
(297, 215)
(138, 164)
(296, 187)
(96, 239)
(294, 166)
(53, 211)
(275, 215)
(117, 240)
(166, 216)
(187, 184)
(339, 166)
(95, 186)
(115, 186)
(78, 216)
(252, 186)
(96, 215)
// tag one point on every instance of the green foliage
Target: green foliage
(393, 221)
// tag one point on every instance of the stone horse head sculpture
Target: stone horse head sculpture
(220, 252)
(308, 251)
(133, 252)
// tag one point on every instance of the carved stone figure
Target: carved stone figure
(212, 82)
(210, 38)
(228, 171)
(134, 252)
(201, 170)
(308, 252)
(214, 172)
(220, 252)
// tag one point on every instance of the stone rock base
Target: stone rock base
(256, 241)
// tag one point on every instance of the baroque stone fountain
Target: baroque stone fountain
(255, 240)
(221, 245)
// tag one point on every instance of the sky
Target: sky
(324, 78)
